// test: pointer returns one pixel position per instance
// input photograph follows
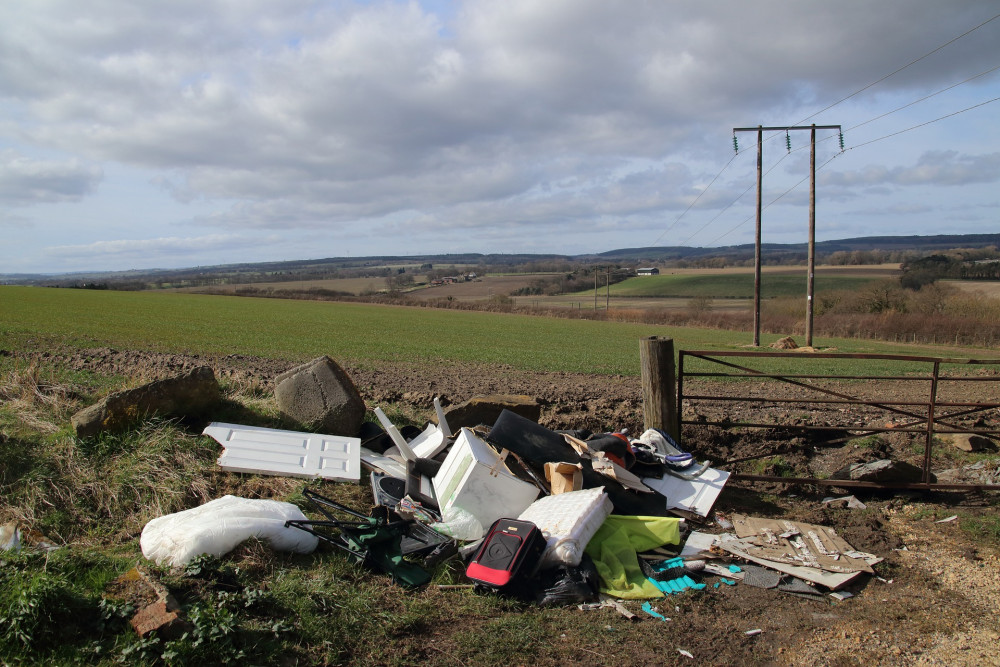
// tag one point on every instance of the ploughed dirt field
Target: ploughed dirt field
(935, 599)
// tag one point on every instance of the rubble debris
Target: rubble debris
(850, 502)
(980, 472)
(607, 602)
(537, 445)
(161, 616)
(807, 551)
(882, 471)
(218, 526)
(320, 396)
(486, 409)
(157, 609)
(968, 442)
(190, 394)
(254, 449)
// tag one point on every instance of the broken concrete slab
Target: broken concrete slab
(161, 617)
(320, 396)
(882, 471)
(158, 610)
(967, 442)
(486, 409)
(190, 394)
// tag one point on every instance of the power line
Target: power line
(955, 113)
(857, 92)
(773, 201)
(700, 194)
(897, 71)
(922, 99)
(927, 97)
(786, 192)
(731, 204)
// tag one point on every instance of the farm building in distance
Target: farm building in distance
(648, 271)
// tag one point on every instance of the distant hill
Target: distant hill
(778, 251)
(772, 253)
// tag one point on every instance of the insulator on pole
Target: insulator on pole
(841, 142)
(788, 141)
(736, 144)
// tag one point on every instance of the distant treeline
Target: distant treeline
(974, 262)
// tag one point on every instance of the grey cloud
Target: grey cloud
(513, 115)
(25, 181)
(941, 168)
(156, 247)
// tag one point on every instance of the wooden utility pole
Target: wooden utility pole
(607, 297)
(756, 238)
(596, 269)
(760, 129)
(811, 264)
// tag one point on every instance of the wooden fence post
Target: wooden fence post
(659, 386)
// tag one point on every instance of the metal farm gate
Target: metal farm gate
(924, 396)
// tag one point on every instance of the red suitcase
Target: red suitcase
(509, 555)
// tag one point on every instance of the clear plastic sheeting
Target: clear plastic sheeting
(218, 526)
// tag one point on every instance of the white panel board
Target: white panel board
(269, 451)
(697, 495)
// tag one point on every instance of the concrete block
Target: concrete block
(486, 409)
(191, 394)
(320, 396)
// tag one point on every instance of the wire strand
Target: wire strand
(897, 71)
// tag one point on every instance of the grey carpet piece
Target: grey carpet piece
(760, 577)
(790, 584)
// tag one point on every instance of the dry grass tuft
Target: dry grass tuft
(35, 399)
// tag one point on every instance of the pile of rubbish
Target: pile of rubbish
(553, 518)
(549, 517)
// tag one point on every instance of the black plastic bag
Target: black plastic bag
(567, 585)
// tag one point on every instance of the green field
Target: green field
(259, 606)
(33, 318)
(730, 286)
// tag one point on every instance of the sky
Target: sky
(138, 135)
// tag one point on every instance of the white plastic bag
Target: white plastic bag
(460, 525)
(216, 527)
